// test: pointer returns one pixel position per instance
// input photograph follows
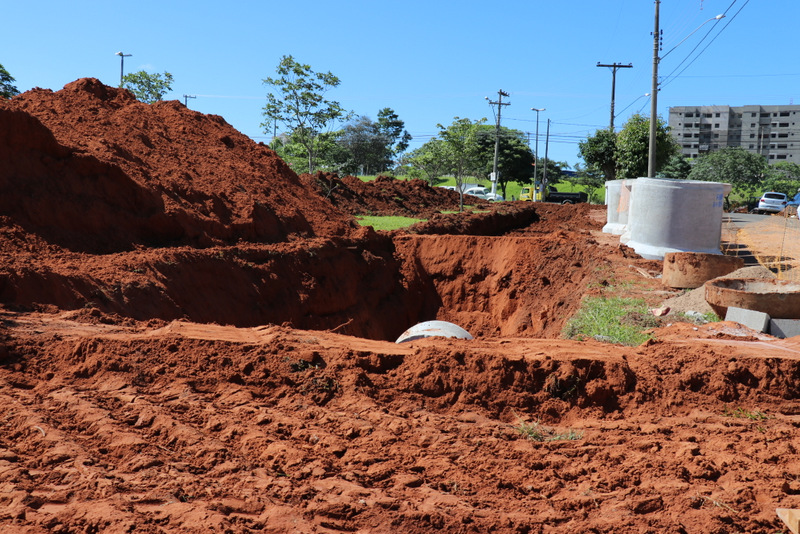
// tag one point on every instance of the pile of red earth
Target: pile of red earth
(110, 173)
(194, 339)
(386, 196)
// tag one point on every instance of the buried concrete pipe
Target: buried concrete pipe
(433, 329)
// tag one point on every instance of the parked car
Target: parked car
(771, 202)
(795, 202)
(482, 192)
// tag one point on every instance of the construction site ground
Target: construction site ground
(193, 338)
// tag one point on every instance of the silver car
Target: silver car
(771, 202)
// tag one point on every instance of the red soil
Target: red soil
(194, 339)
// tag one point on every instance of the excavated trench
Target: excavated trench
(372, 288)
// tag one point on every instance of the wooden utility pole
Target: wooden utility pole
(614, 67)
(500, 104)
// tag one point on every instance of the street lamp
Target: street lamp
(121, 64)
(536, 154)
(651, 157)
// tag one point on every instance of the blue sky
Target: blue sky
(430, 60)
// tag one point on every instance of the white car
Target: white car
(482, 192)
(771, 202)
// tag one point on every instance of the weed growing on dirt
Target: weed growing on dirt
(387, 223)
(743, 413)
(611, 319)
(538, 432)
(698, 318)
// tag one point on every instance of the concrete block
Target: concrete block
(756, 320)
(784, 327)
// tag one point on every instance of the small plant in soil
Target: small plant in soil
(538, 432)
(742, 413)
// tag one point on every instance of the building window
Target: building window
(716, 136)
(772, 156)
(784, 113)
(716, 125)
(717, 115)
(784, 125)
(752, 126)
(781, 156)
(689, 115)
(752, 136)
(752, 146)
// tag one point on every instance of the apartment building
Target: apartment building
(772, 131)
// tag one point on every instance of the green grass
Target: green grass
(612, 319)
(538, 432)
(743, 413)
(387, 222)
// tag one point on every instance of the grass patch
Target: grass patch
(742, 413)
(379, 222)
(611, 319)
(538, 432)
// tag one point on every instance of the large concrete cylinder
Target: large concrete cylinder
(618, 197)
(675, 216)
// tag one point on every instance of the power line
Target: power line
(669, 78)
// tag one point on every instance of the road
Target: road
(772, 240)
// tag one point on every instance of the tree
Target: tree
(329, 155)
(462, 150)
(393, 129)
(429, 161)
(784, 177)
(7, 87)
(598, 151)
(633, 147)
(734, 165)
(148, 88)
(591, 178)
(365, 146)
(677, 168)
(300, 103)
(514, 157)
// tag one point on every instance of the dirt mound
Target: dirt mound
(92, 169)
(386, 195)
(192, 427)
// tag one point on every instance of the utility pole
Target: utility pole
(536, 154)
(614, 66)
(500, 104)
(186, 99)
(122, 65)
(651, 155)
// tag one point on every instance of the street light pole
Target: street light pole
(536, 154)
(122, 65)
